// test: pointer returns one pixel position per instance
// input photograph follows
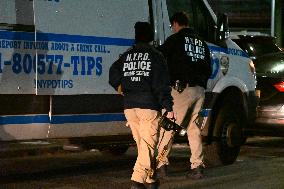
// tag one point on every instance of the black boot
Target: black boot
(162, 172)
(154, 185)
(137, 185)
(196, 173)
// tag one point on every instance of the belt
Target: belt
(180, 85)
(191, 84)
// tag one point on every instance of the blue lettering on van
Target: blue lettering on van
(52, 64)
(231, 51)
(53, 84)
(65, 38)
(38, 45)
(24, 60)
(83, 65)
(10, 44)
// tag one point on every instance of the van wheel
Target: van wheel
(227, 136)
(114, 150)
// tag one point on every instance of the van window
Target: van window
(181, 5)
(204, 24)
(199, 18)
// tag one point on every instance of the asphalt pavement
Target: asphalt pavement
(30, 148)
(260, 165)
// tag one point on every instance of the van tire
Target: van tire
(227, 135)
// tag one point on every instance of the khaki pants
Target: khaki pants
(145, 130)
(182, 102)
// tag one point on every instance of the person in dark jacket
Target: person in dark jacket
(189, 63)
(142, 77)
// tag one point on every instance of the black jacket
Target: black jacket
(188, 58)
(142, 73)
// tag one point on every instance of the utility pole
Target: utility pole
(277, 25)
(272, 18)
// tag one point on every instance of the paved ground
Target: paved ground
(259, 166)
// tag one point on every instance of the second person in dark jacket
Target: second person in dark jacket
(188, 59)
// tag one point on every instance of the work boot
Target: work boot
(162, 172)
(137, 185)
(196, 173)
(154, 185)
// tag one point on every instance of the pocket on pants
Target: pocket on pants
(154, 129)
(149, 120)
(131, 117)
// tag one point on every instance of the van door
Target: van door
(17, 35)
(23, 115)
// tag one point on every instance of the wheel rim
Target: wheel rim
(234, 135)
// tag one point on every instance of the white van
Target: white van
(54, 62)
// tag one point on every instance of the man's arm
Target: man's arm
(161, 84)
(167, 46)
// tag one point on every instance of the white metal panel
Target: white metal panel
(16, 12)
(16, 75)
(88, 129)
(84, 39)
(108, 18)
(28, 131)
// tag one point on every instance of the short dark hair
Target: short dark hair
(143, 32)
(181, 18)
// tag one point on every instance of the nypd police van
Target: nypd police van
(54, 62)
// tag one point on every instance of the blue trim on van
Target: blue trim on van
(23, 119)
(30, 36)
(232, 51)
(87, 118)
(30, 119)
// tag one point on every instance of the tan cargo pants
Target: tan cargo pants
(145, 131)
(182, 102)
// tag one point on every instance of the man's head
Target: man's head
(143, 32)
(178, 21)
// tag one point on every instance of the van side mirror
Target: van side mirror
(223, 31)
